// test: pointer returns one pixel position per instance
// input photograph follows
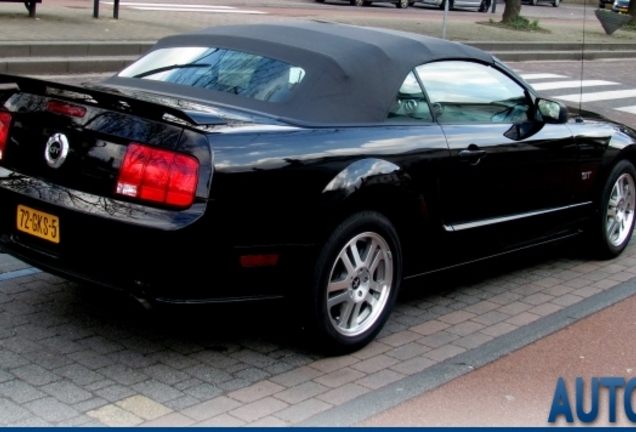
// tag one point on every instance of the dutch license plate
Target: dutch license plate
(38, 223)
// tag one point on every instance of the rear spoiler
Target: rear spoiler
(111, 99)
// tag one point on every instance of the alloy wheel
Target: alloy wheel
(620, 210)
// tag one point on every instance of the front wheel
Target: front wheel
(484, 6)
(356, 281)
(613, 227)
(402, 4)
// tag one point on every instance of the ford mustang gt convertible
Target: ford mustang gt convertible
(322, 164)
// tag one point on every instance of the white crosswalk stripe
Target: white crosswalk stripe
(598, 96)
(629, 109)
(537, 76)
(172, 7)
(555, 85)
(550, 85)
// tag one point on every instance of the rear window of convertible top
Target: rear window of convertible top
(219, 69)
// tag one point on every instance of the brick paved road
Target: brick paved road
(74, 355)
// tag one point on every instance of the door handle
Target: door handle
(472, 155)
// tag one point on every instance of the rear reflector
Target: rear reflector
(160, 176)
(258, 260)
(5, 120)
(66, 108)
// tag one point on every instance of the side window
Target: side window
(410, 104)
(467, 92)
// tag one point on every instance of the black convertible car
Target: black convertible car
(319, 163)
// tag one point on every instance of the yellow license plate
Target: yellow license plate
(39, 224)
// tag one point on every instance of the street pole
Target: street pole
(494, 6)
(446, 7)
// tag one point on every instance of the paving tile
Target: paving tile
(473, 341)
(269, 421)
(256, 391)
(253, 358)
(408, 351)
(585, 268)
(438, 339)
(547, 282)
(522, 319)
(208, 373)
(430, 327)
(297, 376)
(144, 407)
(157, 391)
(90, 404)
(577, 283)
(499, 329)
(233, 384)
(343, 394)
(400, 338)
(301, 392)
(456, 317)
(622, 276)
(223, 420)
(605, 284)
(303, 410)
(514, 308)
(482, 307)
(204, 391)
(567, 300)
(165, 374)
(371, 350)
(51, 410)
(35, 375)
(505, 298)
(182, 403)
(586, 292)
(545, 309)
(331, 364)
(171, 420)
(122, 374)
(444, 352)
(11, 414)
(258, 409)
(112, 415)
(20, 392)
(565, 275)
(10, 360)
(537, 299)
(529, 289)
(490, 318)
(375, 364)
(91, 359)
(66, 392)
(339, 377)
(465, 328)
(380, 379)
(211, 408)
(114, 393)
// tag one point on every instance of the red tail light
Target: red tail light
(160, 176)
(66, 108)
(5, 120)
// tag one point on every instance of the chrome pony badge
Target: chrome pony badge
(56, 150)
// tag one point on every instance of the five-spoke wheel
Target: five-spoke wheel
(356, 280)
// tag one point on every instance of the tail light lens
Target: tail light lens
(159, 176)
(5, 120)
(66, 109)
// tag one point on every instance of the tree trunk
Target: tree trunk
(513, 9)
(632, 11)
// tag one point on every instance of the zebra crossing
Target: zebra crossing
(184, 7)
(560, 87)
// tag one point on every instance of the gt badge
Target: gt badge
(56, 150)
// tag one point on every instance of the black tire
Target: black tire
(411, 3)
(366, 290)
(556, 3)
(320, 1)
(356, 2)
(366, 3)
(443, 5)
(534, 2)
(402, 4)
(484, 6)
(609, 235)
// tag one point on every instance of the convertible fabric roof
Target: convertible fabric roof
(352, 73)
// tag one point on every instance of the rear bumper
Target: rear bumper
(156, 254)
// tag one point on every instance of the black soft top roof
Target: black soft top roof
(352, 73)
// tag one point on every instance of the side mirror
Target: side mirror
(551, 111)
